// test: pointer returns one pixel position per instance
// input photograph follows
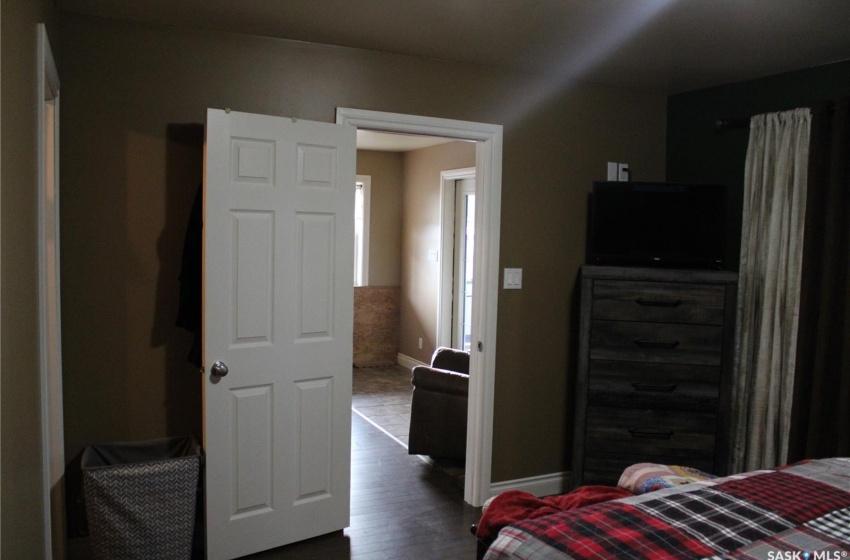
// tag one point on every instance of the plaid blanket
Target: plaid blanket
(799, 512)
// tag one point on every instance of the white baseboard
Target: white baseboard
(409, 362)
(543, 485)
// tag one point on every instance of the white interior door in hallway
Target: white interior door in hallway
(278, 255)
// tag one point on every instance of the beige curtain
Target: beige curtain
(769, 287)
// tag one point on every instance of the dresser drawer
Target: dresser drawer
(648, 385)
(671, 434)
(654, 370)
(658, 302)
(656, 342)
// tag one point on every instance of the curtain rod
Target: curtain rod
(732, 124)
(729, 124)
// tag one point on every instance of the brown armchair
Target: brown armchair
(438, 409)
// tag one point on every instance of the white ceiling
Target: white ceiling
(667, 45)
(390, 142)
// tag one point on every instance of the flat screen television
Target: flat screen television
(657, 224)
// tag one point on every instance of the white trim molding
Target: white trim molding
(366, 181)
(50, 334)
(408, 362)
(447, 245)
(485, 298)
(543, 485)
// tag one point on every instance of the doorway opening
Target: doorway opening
(423, 230)
(457, 273)
(464, 249)
(484, 298)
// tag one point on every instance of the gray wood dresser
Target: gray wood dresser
(655, 363)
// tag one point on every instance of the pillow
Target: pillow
(646, 477)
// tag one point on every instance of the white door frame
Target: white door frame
(1, 310)
(50, 324)
(461, 308)
(488, 196)
(447, 245)
(366, 180)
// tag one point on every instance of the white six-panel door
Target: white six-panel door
(278, 255)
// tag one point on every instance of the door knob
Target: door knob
(219, 369)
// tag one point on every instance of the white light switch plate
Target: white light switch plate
(613, 171)
(513, 278)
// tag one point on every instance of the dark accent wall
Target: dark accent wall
(699, 153)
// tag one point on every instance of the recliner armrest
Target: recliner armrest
(440, 380)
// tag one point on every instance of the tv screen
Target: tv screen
(657, 224)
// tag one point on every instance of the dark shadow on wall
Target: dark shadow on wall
(177, 323)
(184, 172)
(181, 380)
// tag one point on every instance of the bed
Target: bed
(777, 514)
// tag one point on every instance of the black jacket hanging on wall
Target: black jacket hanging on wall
(189, 311)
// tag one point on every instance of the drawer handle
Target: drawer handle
(651, 434)
(655, 387)
(669, 345)
(658, 302)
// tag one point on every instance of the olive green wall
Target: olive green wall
(21, 511)
(697, 152)
(421, 232)
(131, 164)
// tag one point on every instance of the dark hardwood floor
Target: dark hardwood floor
(401, 508)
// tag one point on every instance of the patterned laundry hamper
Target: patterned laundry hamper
(141, 498)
